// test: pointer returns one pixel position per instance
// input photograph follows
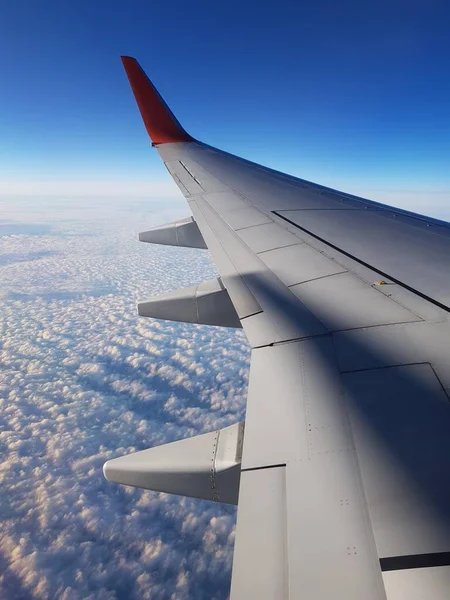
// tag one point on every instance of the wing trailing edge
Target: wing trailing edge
(161, 124)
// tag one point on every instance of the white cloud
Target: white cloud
(84, 379)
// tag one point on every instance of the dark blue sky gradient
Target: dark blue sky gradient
(335, 92)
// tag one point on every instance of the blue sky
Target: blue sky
(339, 93)
(350, 94)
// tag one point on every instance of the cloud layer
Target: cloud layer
(82, 380)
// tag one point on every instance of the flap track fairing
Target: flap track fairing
(205, 304)
(183, 233)
(206, 466)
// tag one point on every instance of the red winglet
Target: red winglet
(161, 124)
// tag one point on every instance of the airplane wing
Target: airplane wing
(341, 470)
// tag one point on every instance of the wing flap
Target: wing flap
(260, 552)
(298, 443)
(331, 553)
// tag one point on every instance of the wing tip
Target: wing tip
(160, 122)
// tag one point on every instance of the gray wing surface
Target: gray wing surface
(345, 458)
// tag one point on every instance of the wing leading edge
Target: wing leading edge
(344, 488)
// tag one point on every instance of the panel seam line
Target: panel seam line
(263, 467)
(365, 264)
